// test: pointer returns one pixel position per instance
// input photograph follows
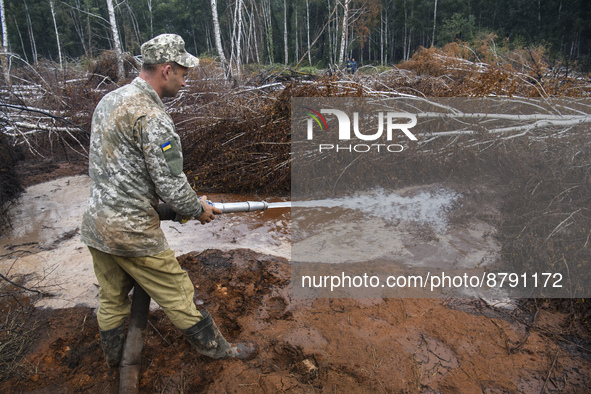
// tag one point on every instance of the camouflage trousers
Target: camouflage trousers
(160, 276)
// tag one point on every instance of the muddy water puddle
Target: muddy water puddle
(44, 242)
(414, 225)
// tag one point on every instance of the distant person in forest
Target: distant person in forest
(349, 66)
(353, 66)
(135, 161)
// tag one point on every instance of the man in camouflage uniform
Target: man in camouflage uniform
(136, 161)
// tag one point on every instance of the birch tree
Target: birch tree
(434, 22)
(151, 17)
(116, 41)
(285, 31)
(30, 32)
(218, 37)
(57, 34)
(344, 32)
(297, 32)
(237, 37)
(5, 45)
(78, 23)
(308, 31)
(382, 28)
(20, 38)
(268, 19)
(253, 33)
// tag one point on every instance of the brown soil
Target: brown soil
(316, 345)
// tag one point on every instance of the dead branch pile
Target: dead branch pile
(103, 70)
(17, 332)
(236, 138)
(45, 117)
(458, 70)
(47, 111)
(239, 140)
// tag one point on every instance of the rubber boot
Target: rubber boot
(112, 342)
(207, 339)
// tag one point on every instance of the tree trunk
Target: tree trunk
(57, 35)
(134, 23)
(20, 36)
(344, 32)
(233, 36)
(406, 34)
(247, 37)
(335, 37)
(116, 42)
(268, 30)
(78, 22)
(285, 31)
(381, 38)
(297, 32)
(218, 37)
(254, 32)
(434, 21)
(331, 42)
(4, 28)
(327, 24)
(238, 59)
(151, 18)
(31, 35)
(308, 30)
(5, 46)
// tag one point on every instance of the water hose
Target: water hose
(246, 206)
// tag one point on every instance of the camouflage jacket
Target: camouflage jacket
(135, 160)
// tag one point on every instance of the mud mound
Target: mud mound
(336, 345)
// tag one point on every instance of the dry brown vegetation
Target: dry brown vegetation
(237, 138)
(17, 331)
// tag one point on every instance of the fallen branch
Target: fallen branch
(23, 287)
(25, 108)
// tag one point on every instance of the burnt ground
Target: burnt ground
(316, 345)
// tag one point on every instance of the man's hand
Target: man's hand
(209, 214)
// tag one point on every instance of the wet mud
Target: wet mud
(315, 345)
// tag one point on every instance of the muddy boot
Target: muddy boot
(208, 340)
(112, 342)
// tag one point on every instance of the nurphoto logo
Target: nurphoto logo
(390, 122)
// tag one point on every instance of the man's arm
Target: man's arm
(164, 162)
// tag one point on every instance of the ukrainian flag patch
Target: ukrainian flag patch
(166, 146)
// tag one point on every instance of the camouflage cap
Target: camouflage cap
(167, 48)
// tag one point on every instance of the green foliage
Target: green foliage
(458, 27)
(309, 70)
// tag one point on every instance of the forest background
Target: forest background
(315, 33)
